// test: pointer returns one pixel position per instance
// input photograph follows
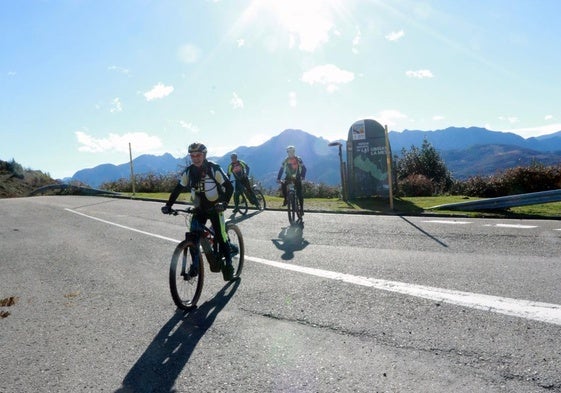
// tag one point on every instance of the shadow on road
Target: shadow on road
(424, 232)
(291, 239)
(242, 217)
(164, 359)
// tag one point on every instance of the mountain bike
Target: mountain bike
(185, 288)
(251, 195)
(294, 207)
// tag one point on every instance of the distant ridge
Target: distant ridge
(466, 151)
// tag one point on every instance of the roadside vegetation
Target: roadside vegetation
(421, 181)
(15, 181)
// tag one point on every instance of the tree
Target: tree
(426, 162)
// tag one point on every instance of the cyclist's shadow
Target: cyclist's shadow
(291, 239)
(166, 356)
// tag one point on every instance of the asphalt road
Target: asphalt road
(349, 304)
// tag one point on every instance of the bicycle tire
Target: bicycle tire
(242, 205)
(299, 210)
(185, 290)
(236, 242)
(261, 203)
(291, 208)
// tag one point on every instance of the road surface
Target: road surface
(351, 303)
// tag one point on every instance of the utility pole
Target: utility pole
(342, 169)
(389, 163)
(132, 170)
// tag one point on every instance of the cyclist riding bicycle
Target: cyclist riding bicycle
(210, 192)
(240, 170)
(294, 168)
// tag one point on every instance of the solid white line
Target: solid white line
(123, 226)
(537, 311)
(543, 312)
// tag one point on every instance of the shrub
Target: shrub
(415, 185)
(425, 161)
(519, 180)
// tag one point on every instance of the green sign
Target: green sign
(367, 156)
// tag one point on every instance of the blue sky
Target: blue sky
(81, 79)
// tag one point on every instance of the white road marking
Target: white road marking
(448, 222)
(543, 312)
(516, 226)
(537, 311)
(123, 226)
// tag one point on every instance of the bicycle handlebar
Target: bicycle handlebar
(191, 210)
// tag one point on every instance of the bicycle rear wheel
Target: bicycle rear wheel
(185, 290)
(261, 204)
(237, 248)
(242, 205)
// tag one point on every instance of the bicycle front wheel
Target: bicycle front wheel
(185, 289)
(292, 206)
(299, 210)
(237, 249)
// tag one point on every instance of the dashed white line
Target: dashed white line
(448, 222)
(516, 226)
(538, 311)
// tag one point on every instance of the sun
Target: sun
(308, 23)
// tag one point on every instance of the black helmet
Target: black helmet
(197, 148)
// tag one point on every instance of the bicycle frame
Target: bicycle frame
(186, 284)
(294, 208)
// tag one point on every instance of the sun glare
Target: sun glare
(308, 23)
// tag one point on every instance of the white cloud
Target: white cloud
(11, 73)
(548, 117)
(189, 126)
(356, 42)
(395, 35)
(438, 117)
(236, 101)
(141, 142)
(189, 53)
(241, 42)
(116, 105)
(528, 132)
(419, 74)
(328, 75)
(292, 99)
(158, 91)
(121, 70)
(389, 117)
(510, 119)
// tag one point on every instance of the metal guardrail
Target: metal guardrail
(72, 189)
(533, 198)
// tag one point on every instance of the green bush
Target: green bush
(519, 180)
(426, 162)
(416, 185)
(143, 183)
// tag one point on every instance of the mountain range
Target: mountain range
(466, 152)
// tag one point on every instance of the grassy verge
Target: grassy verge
(405, 206)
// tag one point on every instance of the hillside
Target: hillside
(17, 182)
(486, 160)
(466, 151)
